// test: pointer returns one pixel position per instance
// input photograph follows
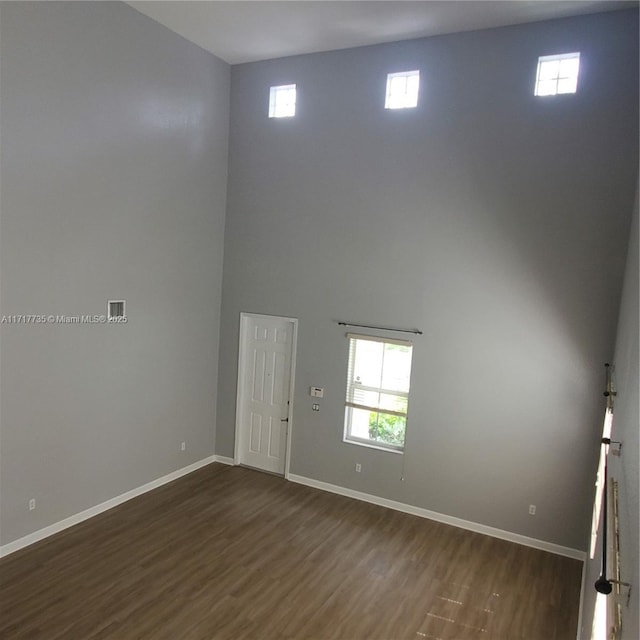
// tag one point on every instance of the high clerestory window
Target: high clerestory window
(282, 101)
(402, 90)
(557, 74)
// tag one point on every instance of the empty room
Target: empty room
(319, 320)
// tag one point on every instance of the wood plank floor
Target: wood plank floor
(230, 553)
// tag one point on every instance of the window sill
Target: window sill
(373, 445)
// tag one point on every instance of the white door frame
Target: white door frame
(244, 319)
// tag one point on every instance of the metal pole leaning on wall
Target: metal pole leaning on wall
(603, 585)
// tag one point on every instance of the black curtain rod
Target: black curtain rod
(368, 326)
(603, 585)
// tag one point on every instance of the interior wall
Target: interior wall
(114, 166)
(625, 468)
(494, 221)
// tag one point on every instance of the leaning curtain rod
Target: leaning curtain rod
(603, 585)
(367, 326)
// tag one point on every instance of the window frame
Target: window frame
(350, 405)
(274, 91)
(389, 97)
(559, 57)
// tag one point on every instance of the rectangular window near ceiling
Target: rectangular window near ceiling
(402, 90)
(282, 101)
(557, 74)
(377, 401)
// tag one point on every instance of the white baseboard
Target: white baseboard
(576, 554)
(36, 536)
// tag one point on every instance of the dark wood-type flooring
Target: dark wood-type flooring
(231, 553)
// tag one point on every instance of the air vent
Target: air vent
(115, 309)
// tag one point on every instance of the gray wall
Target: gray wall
(626, 429)
(494, 221)
(624, 469)
(114, 157)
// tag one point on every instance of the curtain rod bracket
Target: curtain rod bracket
(618, 450)
(605, 587)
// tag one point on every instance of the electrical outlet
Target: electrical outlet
(183, 446)
(532, 509)
(32, 504)
(315, 407)
(358, 467)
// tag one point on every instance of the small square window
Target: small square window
(557, 74)
(282, 101)
(402, 90)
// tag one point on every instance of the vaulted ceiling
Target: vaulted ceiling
(244, 31)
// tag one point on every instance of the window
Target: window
(402, 90)
(377, 400)
(557, 74)
(282, 101)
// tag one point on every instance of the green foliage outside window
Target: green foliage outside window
(388, 428)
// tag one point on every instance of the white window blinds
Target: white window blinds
(378, 382)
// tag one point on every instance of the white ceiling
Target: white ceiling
(245, 31)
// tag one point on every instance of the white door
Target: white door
(265, 391)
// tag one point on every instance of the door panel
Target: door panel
(264, 387)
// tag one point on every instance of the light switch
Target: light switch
(316, 392)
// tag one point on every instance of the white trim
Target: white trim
(534, 543)
(581, 606)
(244, 319)
(239, 386)
(292, 395)
(52, 529)
(361, 442)
(224, 460)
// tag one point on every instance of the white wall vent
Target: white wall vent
(115, 309)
